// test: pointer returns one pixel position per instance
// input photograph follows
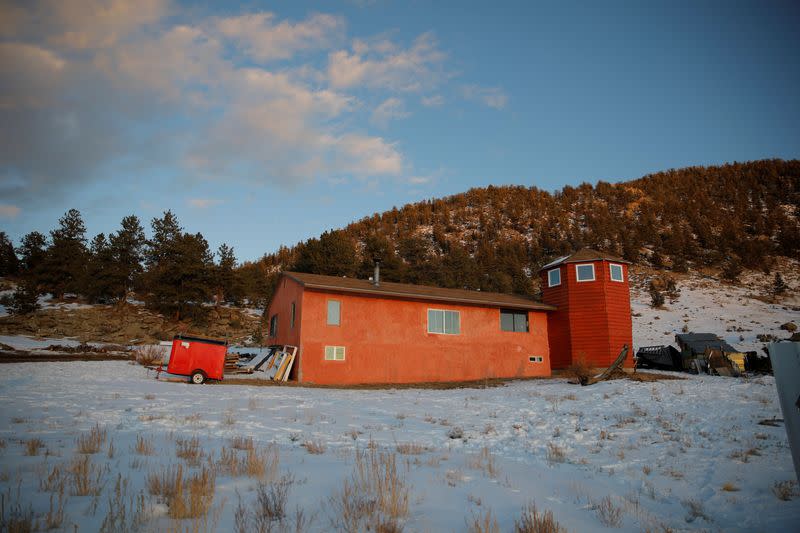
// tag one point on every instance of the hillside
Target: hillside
(494, 238)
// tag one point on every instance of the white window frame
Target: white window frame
(328, 313)
(577, 276)
(611, 272)
(444, 321)
(535, 359)
(334, 353)
(550, 279)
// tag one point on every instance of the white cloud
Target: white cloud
(419, 180)
(203, 203)
(432, 101)
(382, 65)
(390, 109)
(9, 211)
(493, 97)
(261, 37)
(29, 75)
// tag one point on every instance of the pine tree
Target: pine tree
(228, 286)
(25, 299)
(731, 269)
(9, 263)
(100, 270)
(127, 248)
(64, 269)
(333, 254)
(778, 285)
(32, 255)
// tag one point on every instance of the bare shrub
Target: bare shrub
(91, 442)
(483, 523)
(189, 450)
(150, 396)
(149, 355)
(85, 477)
(271, 502)
(609, 514)
(646, 469)
(241, 442)
(124, 515)
(533, 521)
(695, 510)
(144, 446)
(411, 448)
(555, 453)
(252, 404)
(784, 490)
(730, 487)
(579, 370)
(32, 446)
(316, 447)
(229, 418)
(453, 477)
(484, 461)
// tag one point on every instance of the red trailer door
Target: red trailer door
(197, 357)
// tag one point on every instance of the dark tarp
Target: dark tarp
(659, 357)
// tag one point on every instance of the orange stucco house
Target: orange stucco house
(352, 331)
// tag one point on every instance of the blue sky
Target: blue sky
(264, 124)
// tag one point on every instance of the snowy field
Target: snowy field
(660, 456)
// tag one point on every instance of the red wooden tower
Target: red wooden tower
(593, 317)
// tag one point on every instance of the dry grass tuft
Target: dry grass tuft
(695, 510)
(149, 396)
(144, 446)
(194, 497)
(484, 461)
(91, 442)
(262, 464)
(533, 521)
(374, 497)
(164, 483)
(411, 448)
(32, 446)
(15, 518)
(483, 523)
(85, 477)
(315, 447)
(555, 453)
(730, 487)
(241, 442)
(229, 462)
(189, 450)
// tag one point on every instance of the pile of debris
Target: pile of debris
(702, 353)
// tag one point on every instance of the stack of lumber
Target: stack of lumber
(231, 361)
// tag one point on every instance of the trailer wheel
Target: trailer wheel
(198, 377)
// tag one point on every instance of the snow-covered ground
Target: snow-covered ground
(682, 455)
(705, 305)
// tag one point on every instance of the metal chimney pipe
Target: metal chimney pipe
(376, 278)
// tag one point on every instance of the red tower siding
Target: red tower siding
(386, 340)
(593, 320)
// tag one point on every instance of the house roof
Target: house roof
(584, 254)
(417, 292)
(698, 342)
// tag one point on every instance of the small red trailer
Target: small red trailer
(199, 358)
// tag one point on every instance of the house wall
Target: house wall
(593, 320)
(387, 341)
(288, 292)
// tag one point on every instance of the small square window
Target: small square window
(554, 277)
(584, 272)
(334, 353)
(535, 358)
(616, 272)
(334, 312)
